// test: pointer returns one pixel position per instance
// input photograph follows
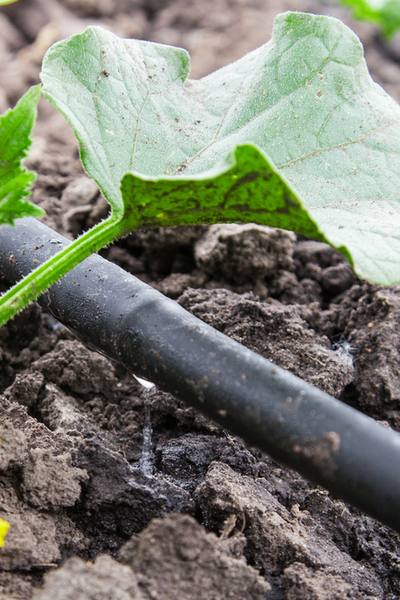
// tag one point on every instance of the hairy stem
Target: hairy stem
(34, 284)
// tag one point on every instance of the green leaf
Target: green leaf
(383, 13)
(3, 2)
(326, 136)
(15, 128)
(233, 191)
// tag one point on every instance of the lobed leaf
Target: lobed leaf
(308, 123)
(15, 128)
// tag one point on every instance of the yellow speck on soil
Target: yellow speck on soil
(3, 531)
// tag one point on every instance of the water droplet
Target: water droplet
(144, 382)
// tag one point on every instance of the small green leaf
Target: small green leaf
(329, 135)
(3, 2)
(15, 128)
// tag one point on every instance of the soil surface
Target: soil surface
(114, 492)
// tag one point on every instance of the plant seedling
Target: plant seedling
(296, 135)
(293, 135)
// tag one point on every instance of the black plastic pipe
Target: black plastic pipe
(325, 440)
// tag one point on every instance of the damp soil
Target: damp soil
(116, 492)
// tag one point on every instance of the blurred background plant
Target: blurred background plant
(385, 14)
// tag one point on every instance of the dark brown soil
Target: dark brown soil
(96, 512)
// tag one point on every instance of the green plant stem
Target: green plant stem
(29, 288)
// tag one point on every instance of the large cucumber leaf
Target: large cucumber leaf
(15, 128)
(295, 134)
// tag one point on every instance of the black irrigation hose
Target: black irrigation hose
(296, 424)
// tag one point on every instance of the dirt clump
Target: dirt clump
(105, 579)
(272, 531)
(191, 563)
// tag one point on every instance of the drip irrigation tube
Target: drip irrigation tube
(322, 438)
